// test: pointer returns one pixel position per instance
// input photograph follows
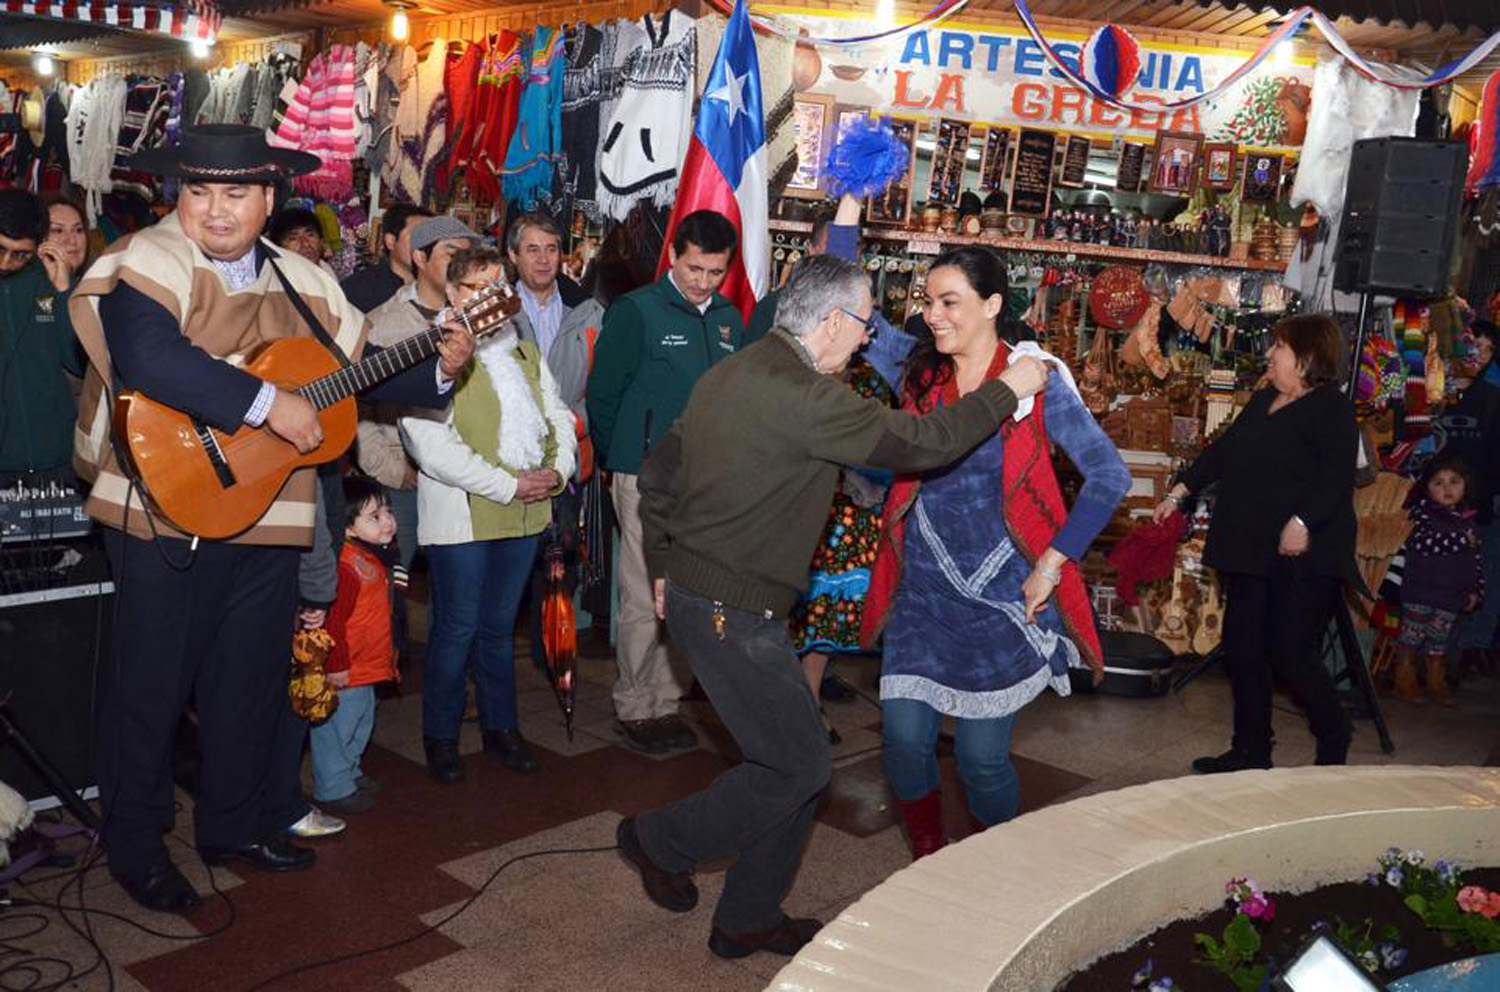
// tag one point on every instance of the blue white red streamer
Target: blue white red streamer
(934, 16)
(1288, 28)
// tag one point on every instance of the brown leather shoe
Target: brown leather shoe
(786, 938)
(668, 889)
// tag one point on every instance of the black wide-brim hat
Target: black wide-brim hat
(224, 153)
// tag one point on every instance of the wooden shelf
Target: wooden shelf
(929, 242)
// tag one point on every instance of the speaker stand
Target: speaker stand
(1365, 300)
(39, 762)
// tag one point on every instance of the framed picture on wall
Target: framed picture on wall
(1175, 169)
(812, 118)
(1262, 177)
(1219, 161)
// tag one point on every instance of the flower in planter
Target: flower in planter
(1391, 956)
(1393, 877)
(1259, 907)
(1447, 871)
(1369, 961)
(1142, 980)
(1415, 858)
(1476, 899)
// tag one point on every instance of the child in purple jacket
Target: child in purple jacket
(1438, 574)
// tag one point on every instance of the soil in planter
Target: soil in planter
(1174, 953)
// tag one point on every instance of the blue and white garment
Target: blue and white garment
(957, 638)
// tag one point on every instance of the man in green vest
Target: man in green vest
(654, 345)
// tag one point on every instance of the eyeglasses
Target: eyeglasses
(867, 322)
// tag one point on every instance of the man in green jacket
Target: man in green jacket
(655, 344)
(733, 502)
(37, 410)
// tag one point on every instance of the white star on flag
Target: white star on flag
(732, 93)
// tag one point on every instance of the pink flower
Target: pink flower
(1474, 899)
(1259, 907)
(1491, 908)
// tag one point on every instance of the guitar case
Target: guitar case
(1137, 666)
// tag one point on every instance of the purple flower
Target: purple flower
(1391, 956)
(1142, 976)
(1393, 877)
(1373, 878)
(1259, 907)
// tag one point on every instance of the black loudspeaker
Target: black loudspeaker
(54, 643)
(1401, 217)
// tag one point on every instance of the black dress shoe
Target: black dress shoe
(443, 762)
(674, 733)
(668, 889)
(786, 938)
(1232, 760)
(271, 854)
(162, 889)
(512, 750)
(642, 735)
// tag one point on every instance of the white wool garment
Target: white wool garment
(420, 128)
(100, 115)
(1345, 108)
(1025, 349)
(523, 429)
(646, 136)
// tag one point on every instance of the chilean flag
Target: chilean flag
(725, 168)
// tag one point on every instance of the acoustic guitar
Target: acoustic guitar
(215, 484)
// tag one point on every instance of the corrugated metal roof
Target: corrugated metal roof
(1462, 14)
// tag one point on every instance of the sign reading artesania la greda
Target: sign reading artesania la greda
(1000, 75)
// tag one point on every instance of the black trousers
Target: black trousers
(761, 810)
(1272, 627)
(218, 632)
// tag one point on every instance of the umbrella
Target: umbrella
(560, 636)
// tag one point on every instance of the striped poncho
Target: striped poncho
(320, 119)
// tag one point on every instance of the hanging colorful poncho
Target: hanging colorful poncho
(501, 79)
(461, 83)
(528, 171)
(320, 119)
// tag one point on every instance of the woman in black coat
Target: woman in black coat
(1282, 537)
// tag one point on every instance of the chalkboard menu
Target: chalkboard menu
(996, 153)
(1075, 161)
(1132, 165)
(949, 154)
(1031, 179)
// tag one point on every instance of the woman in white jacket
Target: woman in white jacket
(489, 468)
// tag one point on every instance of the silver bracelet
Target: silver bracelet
(1053, 577)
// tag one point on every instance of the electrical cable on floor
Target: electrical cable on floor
(431, 928)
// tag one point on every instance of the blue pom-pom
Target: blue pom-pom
(866, 158)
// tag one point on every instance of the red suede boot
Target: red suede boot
(924, 823)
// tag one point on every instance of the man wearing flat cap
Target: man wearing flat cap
(172, 311)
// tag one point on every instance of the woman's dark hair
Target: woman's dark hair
(22, 217)
(1486, 329)
(292, 219)
(1321, 347)
(359, 492)
(614, 271)
(63, 200)
(984, 271)
(1445, 461)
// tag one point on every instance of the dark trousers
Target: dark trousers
(760, 811)
(1272, 627)
(217, 632)
(285, 801)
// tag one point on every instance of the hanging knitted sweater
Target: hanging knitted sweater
(530, 160)
(421, 125)
(397, 67)
(590, 54)
(148, 104)
(499, 102)
(320, 120)
(647, 135)
(93, 127)
(461, 84)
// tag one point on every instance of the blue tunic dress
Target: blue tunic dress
(957, 638)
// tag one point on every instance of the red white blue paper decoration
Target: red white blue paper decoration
(1110, 60)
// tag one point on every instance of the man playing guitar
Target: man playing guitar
(172, 311)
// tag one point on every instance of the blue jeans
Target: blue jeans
(909, 736)
(338, 744)
(476, 594)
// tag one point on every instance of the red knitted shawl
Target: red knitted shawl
(1034, 511)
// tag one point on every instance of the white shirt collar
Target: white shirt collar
(702, 307)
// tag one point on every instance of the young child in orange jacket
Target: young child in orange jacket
(364, 652)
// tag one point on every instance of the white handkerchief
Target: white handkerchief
(1033, 350)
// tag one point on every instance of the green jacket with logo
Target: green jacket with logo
(37, 409)
(651, 350)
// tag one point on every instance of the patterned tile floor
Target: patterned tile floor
(427, 855)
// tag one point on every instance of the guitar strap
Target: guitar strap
(307, 314)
